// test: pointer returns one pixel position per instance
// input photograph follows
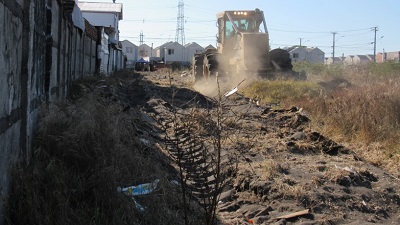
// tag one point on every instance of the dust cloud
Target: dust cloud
(252, 57)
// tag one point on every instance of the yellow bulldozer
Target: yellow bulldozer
(242, 47)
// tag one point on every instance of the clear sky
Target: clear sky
(288, 21)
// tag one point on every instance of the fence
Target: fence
(41, 53)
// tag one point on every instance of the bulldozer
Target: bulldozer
(242, 47)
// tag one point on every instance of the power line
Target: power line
(317, 32)
(169, 20)
(297, 31)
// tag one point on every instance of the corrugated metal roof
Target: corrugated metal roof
(101, 7)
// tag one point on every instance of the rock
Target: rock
(226, 196)
(280, 222)
(260, 219)
(298, 136)
(229, 207)
(251, 210)
(264, 212)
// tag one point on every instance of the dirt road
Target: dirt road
(288, 173)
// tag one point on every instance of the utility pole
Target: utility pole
(333, 48)
(375, 29)
(302, 42)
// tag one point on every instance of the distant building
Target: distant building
(358, 59)
(131, 52)
(308, 54)
(388, 56)
(145, 52)
(106, 17)
(335, 60)
(171, 52)
(191, 49)
(209, 47)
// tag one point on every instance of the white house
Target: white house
(191, 49)
(358, 59)
(145, 52)
(131, 52)
(171, 52)
(106, 17)
(303, 53)
(336, 60)
(103, 14)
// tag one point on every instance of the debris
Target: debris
(346, 168)
(233, 91)
(141, 189)
(138, 206)
(175, 182)
(184, 74)
(145, 141)
(296, 214)
(364, 203)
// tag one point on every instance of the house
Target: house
(303, 53)
(131, 52)
(191, 49)
(358, 59)
(349, 60)
(388, 56)
(334, 60)
(106, 17)
(145, 52)
(209, 47)
(393, 56)
(171, 52)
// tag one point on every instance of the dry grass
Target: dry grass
(368, 114)
(84, 151)
(278, 91)
(289, 189)
(271, 169)
(358, 104)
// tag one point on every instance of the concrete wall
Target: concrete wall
(41, 53)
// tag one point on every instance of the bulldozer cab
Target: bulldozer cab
(232, 23)
(243, 40)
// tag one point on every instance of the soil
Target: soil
(285, 167)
